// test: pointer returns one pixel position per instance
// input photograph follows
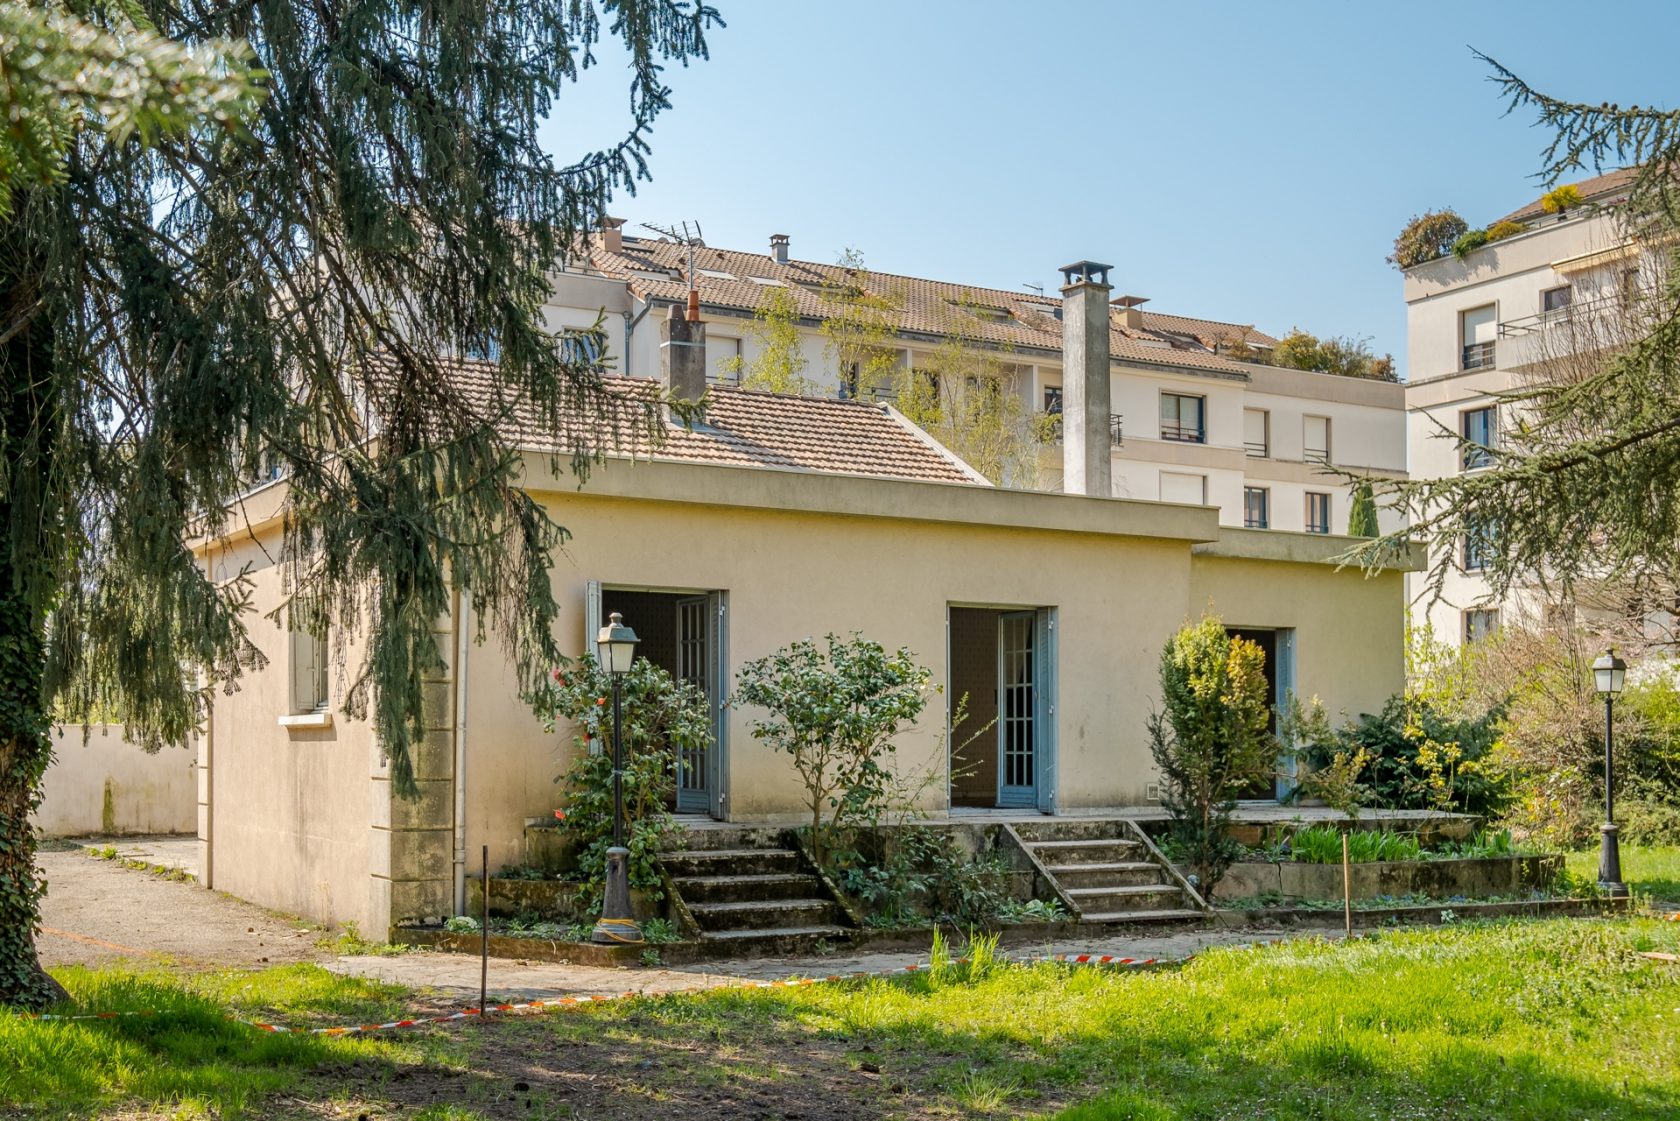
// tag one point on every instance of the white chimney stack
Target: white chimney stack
(1087, 458)
(779, 248)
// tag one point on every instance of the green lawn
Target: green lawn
(1514, 1021)
(1648, 870)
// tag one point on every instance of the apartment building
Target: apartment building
(1195, 419)
(1491, 322)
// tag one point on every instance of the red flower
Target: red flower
(559, 815)
(600, 700)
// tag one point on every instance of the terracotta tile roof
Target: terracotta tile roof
(1601, 189)
(744, 428)
(726, 278)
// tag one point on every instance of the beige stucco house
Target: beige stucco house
(779, 518)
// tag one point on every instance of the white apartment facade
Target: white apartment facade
(1477, 327)
(1192, 422)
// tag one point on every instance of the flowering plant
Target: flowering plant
(662, 718)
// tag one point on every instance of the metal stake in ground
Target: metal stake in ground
(1347, 887)
(616, 646)
(484, 936)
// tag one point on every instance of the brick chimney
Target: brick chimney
(779, 248)
(1087, 458)
(682, 354)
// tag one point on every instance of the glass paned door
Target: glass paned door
(694, 666)
(1018, 709)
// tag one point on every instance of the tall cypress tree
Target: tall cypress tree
(184, 312)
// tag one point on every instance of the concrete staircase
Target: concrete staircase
(1106, 872)
(753, 898)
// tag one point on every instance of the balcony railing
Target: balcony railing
(1316, 455)
(1183, 433)
(1257, 450)
(1478, 356)
(1047, 426)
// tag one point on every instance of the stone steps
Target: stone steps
(1073, 876)
(755, 900)
(744, 888)
(1106, 872)
(730, 862)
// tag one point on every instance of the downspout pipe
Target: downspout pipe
(630, 328)
(461, 647)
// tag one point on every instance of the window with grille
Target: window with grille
(1480, 428)
(1257, 507)
(1480, 623)
(1184, 418)
(1257, 433)
(1318, 512)
(1477, 328)
(1556, 299)
(1478, 547)
(1315, 439)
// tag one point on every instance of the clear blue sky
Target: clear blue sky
(1242, 161)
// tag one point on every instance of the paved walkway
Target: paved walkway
(99, 911)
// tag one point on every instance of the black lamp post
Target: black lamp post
(616, 649)
(1609, 672)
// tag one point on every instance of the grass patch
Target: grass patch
(1515, 1021)
(1651, 870)
(189, 1057)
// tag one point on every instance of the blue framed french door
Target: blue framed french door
(1018, 720)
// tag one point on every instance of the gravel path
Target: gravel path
(99, 911)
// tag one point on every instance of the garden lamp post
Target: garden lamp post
(1609, 672)
(616, 650)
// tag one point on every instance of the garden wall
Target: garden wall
(111, 787)
(1441, 879)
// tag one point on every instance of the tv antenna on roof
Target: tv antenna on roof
(681, 236)
(1038, 288)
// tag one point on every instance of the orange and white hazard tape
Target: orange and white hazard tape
(604, 998)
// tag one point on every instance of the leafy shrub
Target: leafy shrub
(1469, 242)
(1426, 237)
(662, 717)
(1344, 356)
(916, 874)
(1033, 910)
(1419, 758)
(1322, 844)
(1210, 740)
(835, 712)
(1305, 731)
(1560, 199)
(1484, 844)
(1501, 230)
(660, 932)
(1362, 515)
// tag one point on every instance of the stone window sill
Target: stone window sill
(307, 720)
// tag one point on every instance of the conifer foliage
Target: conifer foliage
(284, 298)
(1581, 489)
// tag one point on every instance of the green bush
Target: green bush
(1469, 242)
(1502, 230)
(1210, 740)
(835, 712)
(913, 875)
(1322, 844)
(1419, 758)
(1426, 237)
(662, 717)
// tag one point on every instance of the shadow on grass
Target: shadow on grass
(1329, 1032)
